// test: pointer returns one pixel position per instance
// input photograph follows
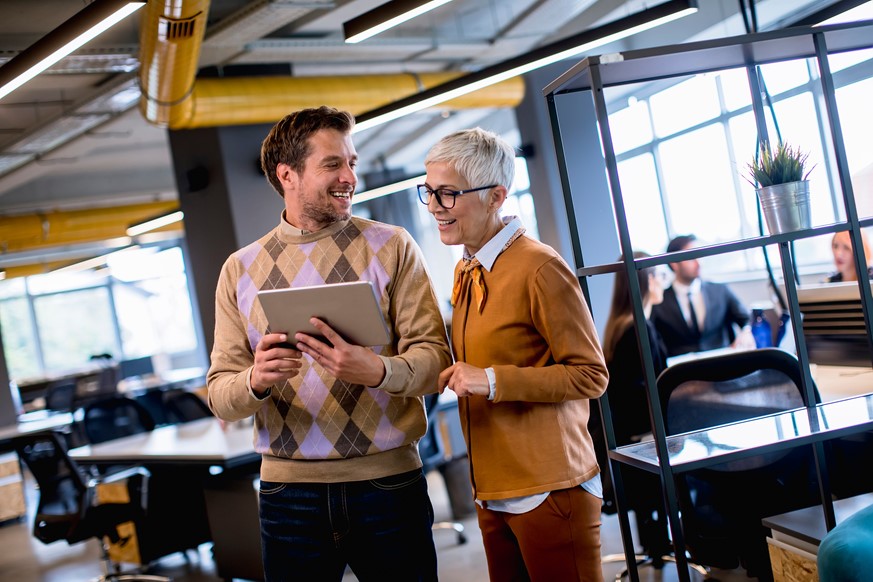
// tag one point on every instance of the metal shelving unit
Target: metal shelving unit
(584, 85)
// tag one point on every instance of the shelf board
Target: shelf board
(775, 432)
(716, 249)
(713, 55)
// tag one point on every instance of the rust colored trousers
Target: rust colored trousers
(557, 541)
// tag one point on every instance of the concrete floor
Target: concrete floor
(25, 559)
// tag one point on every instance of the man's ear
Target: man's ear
(287, 176)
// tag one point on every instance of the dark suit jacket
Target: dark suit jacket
(723, 310)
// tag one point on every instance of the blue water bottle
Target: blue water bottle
(761, 330)
(783, 327)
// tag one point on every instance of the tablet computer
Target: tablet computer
(351, 309)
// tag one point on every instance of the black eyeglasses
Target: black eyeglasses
(444, 196)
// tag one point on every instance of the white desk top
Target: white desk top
(167, 379)
(41, 423)
(206, 441)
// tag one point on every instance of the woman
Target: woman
(628, 402)
(841, 245)
(528, 364)
(627, 387)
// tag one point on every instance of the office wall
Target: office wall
(227, 203)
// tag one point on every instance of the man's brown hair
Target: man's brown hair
(288, 141)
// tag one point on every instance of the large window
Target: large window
(694, 137)
(137, 305)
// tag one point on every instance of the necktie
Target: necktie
(470, 273)
(695, 326)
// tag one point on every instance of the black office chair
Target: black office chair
(183, 406)
(722, 506)
(68, 509)
(433, 457)
(61, 396)
(115, 417)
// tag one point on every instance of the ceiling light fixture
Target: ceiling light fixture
(155, 223)
(96, 262)
(66, 38)
(557, 51)
(386, 16)
(388, 189)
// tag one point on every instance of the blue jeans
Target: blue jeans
(380, 528)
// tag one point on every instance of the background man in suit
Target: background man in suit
(698, 315)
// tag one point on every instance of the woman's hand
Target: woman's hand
(464, 380)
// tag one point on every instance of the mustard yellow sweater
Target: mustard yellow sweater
(537, 333)
(315, 427)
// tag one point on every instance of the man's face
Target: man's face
(322, 193)
(686, 271)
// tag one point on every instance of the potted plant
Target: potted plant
(782, 186)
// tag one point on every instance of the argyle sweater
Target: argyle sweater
(315, 427)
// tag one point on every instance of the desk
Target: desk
(190, 505)
(203, 442)
(179, 377)
(838, 382)
(32, 423)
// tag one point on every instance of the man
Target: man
(697, 315)
(337, 424)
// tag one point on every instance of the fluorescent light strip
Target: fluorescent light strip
(95, 262)
(69, 47)
(520, 69)
(389, 189)
(155, 223)
(392, 22)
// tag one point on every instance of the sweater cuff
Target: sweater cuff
(386, 361)
(251, 391)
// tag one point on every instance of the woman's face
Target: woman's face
(657, 283)
(471, 222)
(842, 248)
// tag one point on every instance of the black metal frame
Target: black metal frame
(811, 425)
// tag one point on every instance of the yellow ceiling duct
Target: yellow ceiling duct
(172, 33)
(245, 100)
(71, 227)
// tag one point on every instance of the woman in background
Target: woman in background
(629, 404)
(841, 245)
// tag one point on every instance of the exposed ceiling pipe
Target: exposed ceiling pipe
(245, 100)
(54, 229)
(170, 43)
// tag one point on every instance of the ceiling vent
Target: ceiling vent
(171, 29)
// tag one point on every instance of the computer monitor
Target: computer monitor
(833, 324)
(137, 367)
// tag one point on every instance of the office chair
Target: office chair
(183, 406)
(722, 506)
(115, 417)
(68, 509)
(61, 396)
(433, 457)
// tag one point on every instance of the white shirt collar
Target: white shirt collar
(492, 249)
(683, 289)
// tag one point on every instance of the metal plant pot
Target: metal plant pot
(786, 206)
